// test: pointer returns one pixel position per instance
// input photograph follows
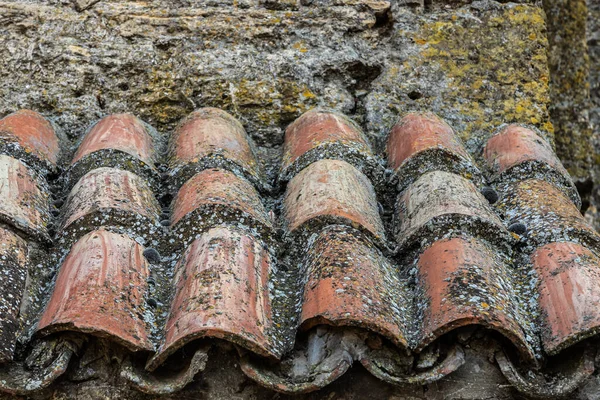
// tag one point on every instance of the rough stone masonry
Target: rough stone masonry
(477, 64)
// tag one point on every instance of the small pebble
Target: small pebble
(152, 302)
(490, 194)
(152, 255)
(517, 228)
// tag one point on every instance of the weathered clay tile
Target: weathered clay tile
(545, 211)
(24, 202)
(332, 191)
(120, 141)
(13, 273)
(518, 152)
(320, 135)
(33, 134)
(569, 288)
(438, 201)
(100, 289)
(212, 138)
(221, 291)
(464, 281)
(215, 197)
(422, 142)
(350, 283)
(110, 196)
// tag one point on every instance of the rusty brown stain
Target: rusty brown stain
(33, 132)
(122, 132)
(100, 289)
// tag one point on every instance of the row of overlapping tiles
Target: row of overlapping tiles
(465, 269)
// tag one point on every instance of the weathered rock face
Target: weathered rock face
(477, 64)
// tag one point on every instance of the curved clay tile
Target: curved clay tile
(334, 192)
(33, 133)
(569, 287)
(422, 142)
(24, 204)
(120, 141)
(350, 283)
(216, 197)
(221, 291)
(208, 138)
(547, 213)
(464, 281)
(110, 196)
(100, 289)
(439, 198)
(521, 152)
(13, 267)
(317, 135)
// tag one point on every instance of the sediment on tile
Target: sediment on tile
(109, 158)
(439, 159)
(357, 156)
(480, 286)
(546, 212)
(541, 171)
(177, 176)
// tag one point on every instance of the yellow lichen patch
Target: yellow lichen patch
(489, 69)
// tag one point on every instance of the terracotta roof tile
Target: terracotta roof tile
(302, 303)
(221, 284)
(13, 273)
(350, 283)
(464, 282)
(547, 213)
(101, 289)
(332, 191)
(440, 200)
(569, 287)
(34, 136)
(517, 153)
(212, 138)
(24, 202)
(422, 142)
(120, 141)
(216, 197)
(109, 196)
(318, 135)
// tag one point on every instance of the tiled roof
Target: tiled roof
(167, 250)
